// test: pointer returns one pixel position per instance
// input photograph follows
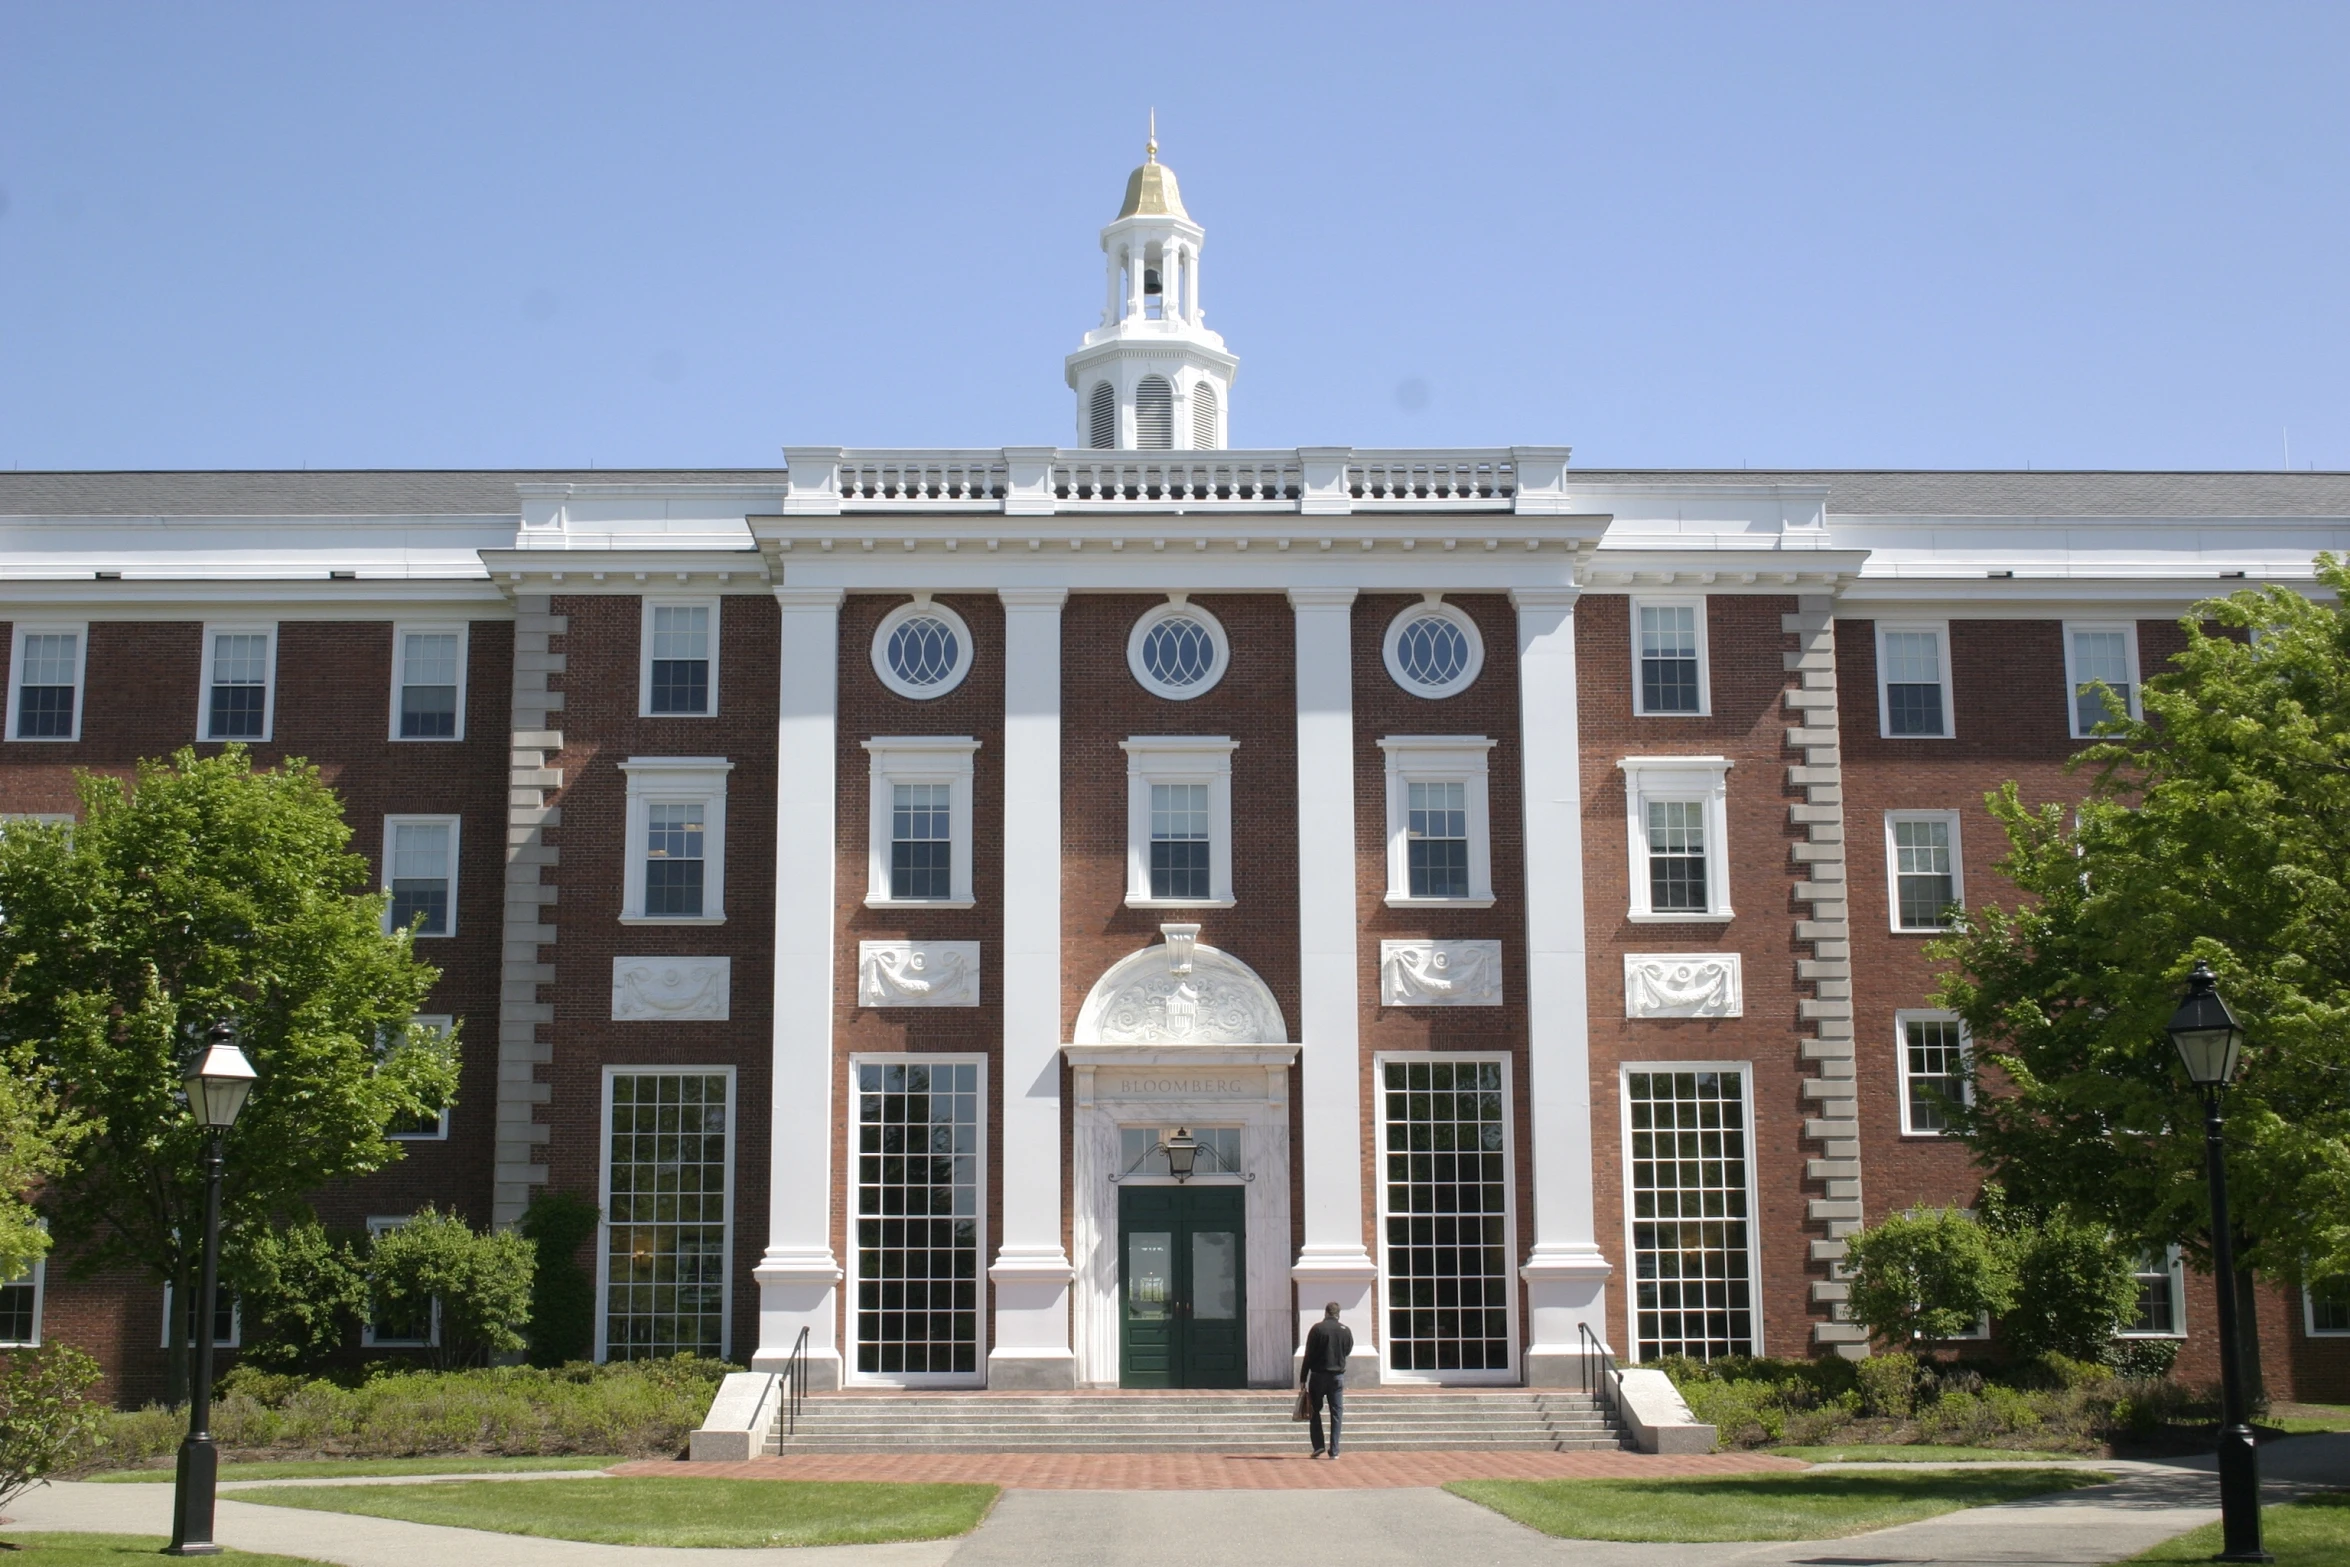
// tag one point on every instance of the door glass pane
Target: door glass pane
(1150, 1274)
(1215, 1275)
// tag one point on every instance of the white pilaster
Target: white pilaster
(1333, 1266)
(1031, 1273)
(799, 1276)
(1565, 1274)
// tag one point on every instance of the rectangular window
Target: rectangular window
(420, 872)
(2097, 659)
(434, 1125)
(20, 1307)
(1677, 818)
(1437, 838)
(920, 1226)
(680, 669)
(227, 1321)
(2326, 1303)
(44, 699)
(1179, 841)
(920, 804)
(1692, 1254)
(1142, 1150)
(410, 1326)
(1913, 681)
(676, 866)
(1445, 1207)
(239, 665)
(921, 841)
(1921, 854)
(1439, 847)
(428, 682)
(2162, 1297)
(668, 1173)
(1934, 1075)
(1669, 645)
(1676, 856)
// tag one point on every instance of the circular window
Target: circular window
(1178, 650)
(1433, 649)
(922, 649)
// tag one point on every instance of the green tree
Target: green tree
(477, 1285)
(1930, 1273)
(37, 1137)
(200, 890)
(562, 1296)
(2217, 827)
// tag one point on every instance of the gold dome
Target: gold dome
(1150, 190)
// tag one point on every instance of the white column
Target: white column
(1333, 1266)
(1031, 1273)
(799, 1276)
(1565, 1274)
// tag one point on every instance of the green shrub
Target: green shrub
(479, 1284)
(46, 1420)
(301, 1293)
(1930, 1273)
(2142, 1359)
(562, 1295)
(1888, 1385)
(2075, 1288)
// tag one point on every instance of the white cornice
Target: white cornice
(626, 571)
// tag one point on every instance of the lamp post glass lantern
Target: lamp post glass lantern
(2211, 1043)
(217, 1081)
(1182, 1152)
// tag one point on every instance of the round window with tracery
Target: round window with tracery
(922, 649)
(1433, 649)
(1178, 651)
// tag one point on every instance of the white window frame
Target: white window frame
(1380, 1060)
(1460, 759)
(2175, 1264)
(1754, 1228)
(40, 1282)
(2072, 682)
(1902, 1018)
(213, 631)
(734, 1119)
(676, 780)
(456, 826)
(1893, 870)
(1177, 604)
(1391, 644)
(919, 759)
(1666, 778)
(401, 630)
(236, 1320)
(1705, 679)
(1178, 759)
(849, 1275)
(2309, 1327)
(376, 1225)
(921, 604)
(80, 632)
(644, 651)
(1941, 630)
(441, 1023)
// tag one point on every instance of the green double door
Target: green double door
(1182, 1307)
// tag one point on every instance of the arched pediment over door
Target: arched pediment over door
(1179, 993)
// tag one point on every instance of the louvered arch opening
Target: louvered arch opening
(1154, 414)
(1102, 418)
(1203, 417)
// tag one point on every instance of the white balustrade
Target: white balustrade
(1032, 480)
(1414, 479)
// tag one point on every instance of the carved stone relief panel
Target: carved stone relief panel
(1683, 984)
(1440, 973)
(671, 990)
(917, 973)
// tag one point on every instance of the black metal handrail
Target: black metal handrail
(1601, 1375)
(795, 1372)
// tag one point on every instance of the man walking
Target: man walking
(1324, 1369)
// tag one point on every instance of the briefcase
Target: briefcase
(1303, 1409)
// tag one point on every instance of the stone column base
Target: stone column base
(1030, 1345)
(799, 1290)
(1566, 1291)
(1351, 1279)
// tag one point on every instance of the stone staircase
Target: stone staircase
(1235, 1423)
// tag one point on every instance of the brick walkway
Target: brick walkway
(1193, 1472)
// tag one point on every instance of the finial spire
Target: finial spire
(1150, 151)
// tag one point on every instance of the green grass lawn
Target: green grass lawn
(1809, 1506)
(2312, 1533)
(44, 1549)
(1909, 1453)
(663, 1511)
(2304, 1419)
(340, 1468)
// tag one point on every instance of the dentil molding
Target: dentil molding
(1440, 973)
(671, 990)
(1683, 984)
(917, 973)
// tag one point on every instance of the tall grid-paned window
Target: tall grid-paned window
(420, 877)
(1676, 856)
(428, 685)
(1922, 875)
(1933, 1071)
(1692, 1257)
(238, 705)
(1448, 1265)
(665, 1245)
(1437, 839)
(45, 686)
(918, 1202)
(921, 841)
(681, 658)
(1179, 841)
(1668, 658)
(675, 840)
(1913, 683)
(2100, 659)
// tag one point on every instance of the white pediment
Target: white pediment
(1179, 993)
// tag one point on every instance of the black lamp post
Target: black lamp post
(217, 1082)
(2211, 1043)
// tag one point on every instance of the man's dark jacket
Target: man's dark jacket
(1328, 1343)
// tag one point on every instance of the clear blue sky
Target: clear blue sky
(682, 234)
